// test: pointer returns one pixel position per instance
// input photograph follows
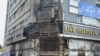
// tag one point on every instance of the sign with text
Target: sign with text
(88, 10)
(78, 30)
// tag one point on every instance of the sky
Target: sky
(3, 4)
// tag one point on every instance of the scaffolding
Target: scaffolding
(47, 27)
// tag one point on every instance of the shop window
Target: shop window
(89, 53)
(80, 44)
(84, 48)
(73, 44)
(88, 45)
(96, 49)
(73, 53)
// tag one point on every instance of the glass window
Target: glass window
(73, 44)
(74, 3)
(79, 19)
(90, 21)
(88, 45)
(81, 45)
(88, 53)
(73, 53)
(22, 24)
(73, 10)
(83, 48)
(10, 19)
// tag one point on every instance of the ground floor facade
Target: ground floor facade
(78, 47)
(62, 46)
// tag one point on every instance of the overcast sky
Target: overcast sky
(2, 19)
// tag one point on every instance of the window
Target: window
(74, 3)
(15, 14)
(14, 28)
(73, 6)
(22, 8)
(10, 31)
(9, 19)
(79, 45)
(90, 21)
(17, 26)
(10, 6)
(73, 10)
(83, 48)
(79, 19)
(73, 53)
(22, 24)
(73, 44)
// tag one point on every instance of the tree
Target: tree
(0, 47)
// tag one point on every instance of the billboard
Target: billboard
(88, 10)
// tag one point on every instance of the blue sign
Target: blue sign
(98, 13)
(86, 10)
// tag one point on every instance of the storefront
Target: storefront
(80, 40)
(83, 48)
(76, 47)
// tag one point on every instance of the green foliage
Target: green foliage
(0, 47)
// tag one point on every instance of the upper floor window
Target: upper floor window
(9, 19)
(74, 3)
(90, 21)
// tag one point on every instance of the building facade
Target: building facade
(19, 14)
(81, 27)
(52, 28)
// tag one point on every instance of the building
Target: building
(19, 14)
(52, 28)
